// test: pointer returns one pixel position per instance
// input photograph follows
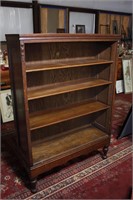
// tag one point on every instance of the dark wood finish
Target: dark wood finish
(63, 92)
(105, 151)
(33, 185)
(19, 99)
(36, 17)
(96, 21)
(16, 4)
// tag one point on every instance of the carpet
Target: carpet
(87, 177)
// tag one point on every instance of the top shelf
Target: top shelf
(63, 63)
(65, 37)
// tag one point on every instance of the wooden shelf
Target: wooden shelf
(63, 87)
(63, 63)
(66, 143)
(42, 119)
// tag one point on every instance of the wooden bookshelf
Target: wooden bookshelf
(63, 91)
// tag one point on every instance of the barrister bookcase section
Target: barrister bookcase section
(63, 90)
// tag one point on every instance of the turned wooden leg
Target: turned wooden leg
(104, 152)
(33, 185)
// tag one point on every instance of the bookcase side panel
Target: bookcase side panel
(17, 87)
(108, 96)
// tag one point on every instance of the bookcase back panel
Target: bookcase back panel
(39, 78)
(67, 99)
(48, 77)
(103, 95)
(103, 121)
(105, 53)
(46, 51)
(61, 128)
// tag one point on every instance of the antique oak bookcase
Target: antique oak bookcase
(63, 89)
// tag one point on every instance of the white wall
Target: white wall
(77, 18)
(15, 21)
(110, 5)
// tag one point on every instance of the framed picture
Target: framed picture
(127, 65)
(119, 86)
(80, 28)
(6, 105)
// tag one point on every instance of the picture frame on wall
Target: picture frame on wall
(127, 65)
(80, 28)
(6, 106)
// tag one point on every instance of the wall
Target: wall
(109, 5)
(15, 20)
(86, 19)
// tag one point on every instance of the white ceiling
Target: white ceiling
(110, 5)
